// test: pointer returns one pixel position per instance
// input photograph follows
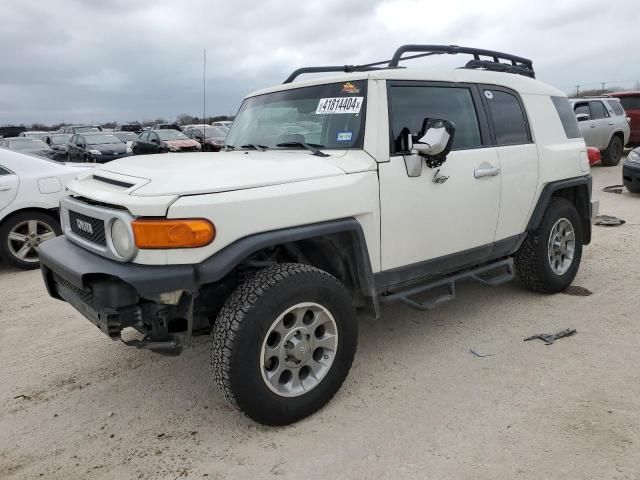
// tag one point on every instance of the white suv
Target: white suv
(604, 125)
(334, 195)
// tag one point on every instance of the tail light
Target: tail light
(629, 120)
(594, 155)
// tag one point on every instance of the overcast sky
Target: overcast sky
(103, 60)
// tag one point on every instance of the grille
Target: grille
(85, 295)
(89, 228)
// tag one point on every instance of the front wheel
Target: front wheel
(284, 342)
(549, 258)
(23, 233)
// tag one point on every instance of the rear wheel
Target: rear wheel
(22, 234)
(613, 153)
(549, 258)
(283, 343)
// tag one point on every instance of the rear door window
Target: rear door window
(597, 110)
(508, 118)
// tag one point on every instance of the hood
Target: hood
(109, 148)
(181, 143)
(198, 173)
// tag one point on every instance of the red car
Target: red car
(630, 101)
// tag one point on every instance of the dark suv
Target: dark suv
(128, 127)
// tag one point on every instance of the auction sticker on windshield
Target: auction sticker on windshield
(339, 105)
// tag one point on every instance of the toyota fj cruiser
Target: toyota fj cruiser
(333, 195)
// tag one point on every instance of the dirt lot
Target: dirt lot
(417, 403)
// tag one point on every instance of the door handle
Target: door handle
(4, 188)
(610, 123)
(486, 171)
(592, 126)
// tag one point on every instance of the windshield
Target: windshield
(101, 139)
(27, 145)
(171, 135)
(328, 116)
(126, 136)
(59, 139)
(86, 129)
(215, 132)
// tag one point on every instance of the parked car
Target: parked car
(30, 191)
(631, 171)
(167, 126)
(211, 139)
(630, 101)
(128, 127)
(96, 147)
(11, 131)
(80, 129)
(163, 141)
(603, 125)
(279, 239)
(224, 123)
(58, 142)
(33, 134)
(30, 146)
(127, 137)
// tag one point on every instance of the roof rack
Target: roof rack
(516, 65)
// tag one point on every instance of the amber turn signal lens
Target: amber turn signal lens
(187, 233)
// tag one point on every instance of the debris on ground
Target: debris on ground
(613, 189)
(548, 339)
(24, 397)
(480, 355)
(608, 221)
(576, 291)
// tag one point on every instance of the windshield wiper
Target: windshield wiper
(312, 147)
(255, 146)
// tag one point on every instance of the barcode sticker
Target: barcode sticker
(328, 106)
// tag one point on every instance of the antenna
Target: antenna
(204, 88)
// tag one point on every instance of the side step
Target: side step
(494, 273)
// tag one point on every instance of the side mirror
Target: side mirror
(433, 144)
(583, 117)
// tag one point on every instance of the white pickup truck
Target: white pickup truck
(332, 196)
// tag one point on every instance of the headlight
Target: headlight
(218, 142)
(121, 238)
(95, 152)
(634, 156)
(129, 150)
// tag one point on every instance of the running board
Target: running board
(482, 274)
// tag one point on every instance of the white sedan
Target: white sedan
(30, 191)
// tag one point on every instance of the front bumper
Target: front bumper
(114, 295)
(631, 175)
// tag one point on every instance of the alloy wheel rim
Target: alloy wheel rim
(299, 349)
(25, 238)
(561, 246)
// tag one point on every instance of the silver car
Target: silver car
(604, 125)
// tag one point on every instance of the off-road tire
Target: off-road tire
(242, 324)
(613, 153)
(531, 260)
(8, 224)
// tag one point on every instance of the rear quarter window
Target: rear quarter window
(616, 107)
(567, 117)
(4, 171)
(631, 102)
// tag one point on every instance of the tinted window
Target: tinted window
(616, 107)
(597, 110)
(508, 118)
(567, 117)
(411, 105)
(630, 102)
(4, 171)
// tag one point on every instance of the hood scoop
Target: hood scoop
(113, 181)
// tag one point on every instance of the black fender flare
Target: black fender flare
(582, 186)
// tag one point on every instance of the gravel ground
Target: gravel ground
(417, 403)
